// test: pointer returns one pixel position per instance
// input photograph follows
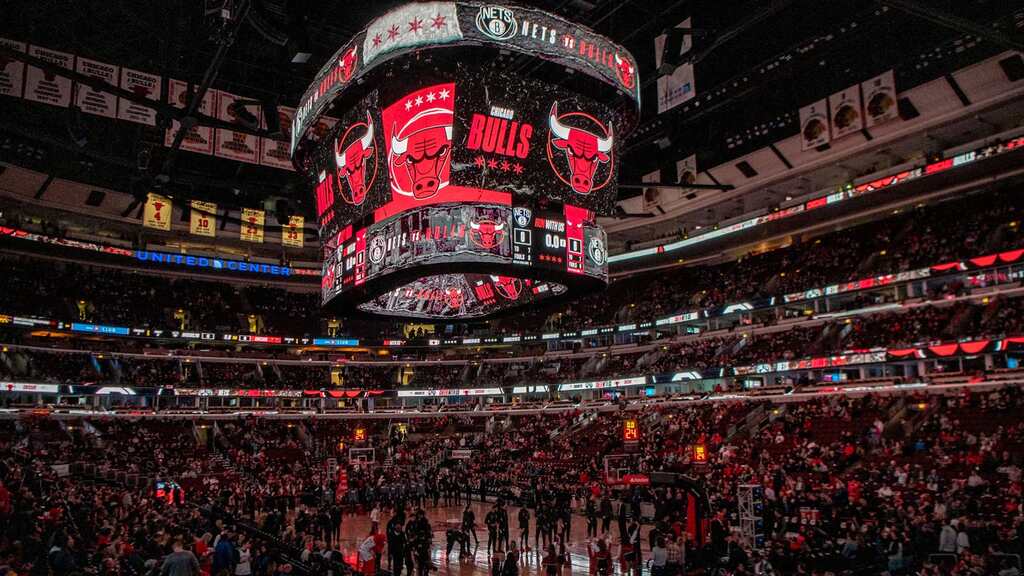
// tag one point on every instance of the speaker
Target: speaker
(271, 118)
(1013, 67)
(746, 169)
(907, 109)
(95, 198)
(283, 211)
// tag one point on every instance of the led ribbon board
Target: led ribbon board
(450, 188)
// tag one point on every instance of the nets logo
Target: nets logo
(497, 22)
(596, 250)
(522, 216)
(377, 249)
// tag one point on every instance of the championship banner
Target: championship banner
(880, 99)
(275, 153)
(293, 235)
(847, 112)
(48, 87)
(814, 125)
(95, 101)
(199, 138)
(12, 73)
(251, 229)
(144, 85)
(235, 145)
(410, 26)
(203, 219)
(157, 213)
(678, 87)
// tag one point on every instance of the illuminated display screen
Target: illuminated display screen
(630, 431)
(449, 188)
(491, 141)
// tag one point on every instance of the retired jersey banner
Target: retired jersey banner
(199, 138)
(276, 153)
(251, 229)
(12, 73)
(293, 234)
(229, 143)
(847, 112)
(157, 213)
(686, 170)
(95, 101)
(814, 125)
(678, 87)
(144, 85)
(48, 87)
(880, 99)
(203, 219)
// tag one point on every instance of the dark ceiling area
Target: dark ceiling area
(756, 62)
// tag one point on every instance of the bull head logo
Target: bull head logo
(347, 62)
(510, 288)
(352, 161)
(422, 150)
(454, 297)
(487, 233)
(584, 150)
(625, 71)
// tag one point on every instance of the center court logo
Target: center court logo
(497, 22)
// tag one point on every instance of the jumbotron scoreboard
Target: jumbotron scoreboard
(460, 154)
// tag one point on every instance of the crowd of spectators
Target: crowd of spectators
(955, 229)
(927, 323)
(918, 485)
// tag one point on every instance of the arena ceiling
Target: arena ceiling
(810, 49)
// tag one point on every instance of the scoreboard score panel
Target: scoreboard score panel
(469, 255)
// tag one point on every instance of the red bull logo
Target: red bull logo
(486, 233)
(625, 72)
(347, 64)
(584, 150)
(420, 159)
(353, 158)
(510, 288)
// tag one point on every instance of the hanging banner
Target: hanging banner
(847, 112)
(652, 195)
(276, 153)
(144, 85)
(199, 138)
(293, 235)
(880, 99)
(45, 86)
(203, 219)
(686, 170)
(814, 125)
(678, 87)
(95, 101)
(157, 213)
(229, 143)
(251, 229)
(12, 73)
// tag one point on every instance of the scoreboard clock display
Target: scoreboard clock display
(448, 188)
